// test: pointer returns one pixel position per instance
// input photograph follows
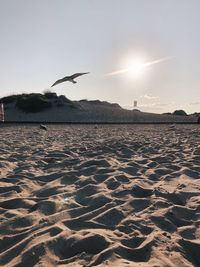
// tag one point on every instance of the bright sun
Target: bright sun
(136, 67)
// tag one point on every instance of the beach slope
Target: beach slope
(100, 196)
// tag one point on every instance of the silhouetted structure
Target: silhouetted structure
(1, 112)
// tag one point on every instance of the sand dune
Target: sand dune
(92, 112)
(100, 196)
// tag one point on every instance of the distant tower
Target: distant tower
(135, 104)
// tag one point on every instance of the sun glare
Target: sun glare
(136, 67)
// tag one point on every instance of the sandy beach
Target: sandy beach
(94, 195)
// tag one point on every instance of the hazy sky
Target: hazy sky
(44, 40)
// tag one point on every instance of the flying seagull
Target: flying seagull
(69, 78)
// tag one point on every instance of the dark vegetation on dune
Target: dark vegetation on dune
(35, 102)
(179, 112)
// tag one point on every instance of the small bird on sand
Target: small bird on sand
(43, 127)
(69, 78)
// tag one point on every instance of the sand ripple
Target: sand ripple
(100, 195)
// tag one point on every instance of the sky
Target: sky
(152, 46)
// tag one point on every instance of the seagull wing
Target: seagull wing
(59, 81)
(75, 75)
